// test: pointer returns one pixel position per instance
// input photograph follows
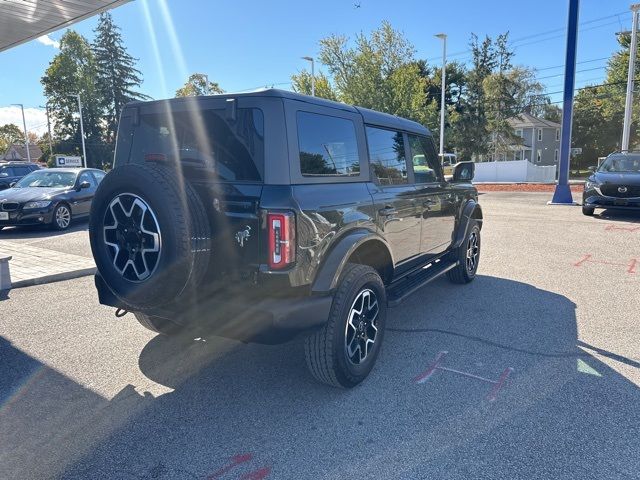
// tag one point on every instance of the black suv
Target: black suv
(11, 172)
(614, 184)
(263, 215)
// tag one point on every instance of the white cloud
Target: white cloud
(36, 118)
(48, 41)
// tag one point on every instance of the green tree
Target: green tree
(378, 72)
(198, 84)
(301, 83)
(10, 134)
(74, 71)
(117, 77)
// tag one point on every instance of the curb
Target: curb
(57, 277)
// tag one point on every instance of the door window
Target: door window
(328, 145)
(426, 168)
(387, 156)
(98, 176)
(87, 177)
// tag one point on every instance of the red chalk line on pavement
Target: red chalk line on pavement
(436, 365)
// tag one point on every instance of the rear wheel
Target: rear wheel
(61, 217)
(588, 211)
(468, 257)
(344, 351)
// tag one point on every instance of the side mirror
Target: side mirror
(84, 185)
(463, 172)
(592, 168)
(12, 184)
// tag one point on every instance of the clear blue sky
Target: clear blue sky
(243, 45)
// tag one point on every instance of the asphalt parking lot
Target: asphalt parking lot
(85, 395)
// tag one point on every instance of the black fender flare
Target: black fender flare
(329, 272)
(470, 211)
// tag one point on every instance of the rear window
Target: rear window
(328, 145)
(231, 150)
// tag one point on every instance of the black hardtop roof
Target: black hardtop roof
(371, 117)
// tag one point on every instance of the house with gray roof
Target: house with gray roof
(540, 139)
(18, 152)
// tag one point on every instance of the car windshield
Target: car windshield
(47, 179)
(621, 164)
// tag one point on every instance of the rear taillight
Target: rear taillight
(282, 239)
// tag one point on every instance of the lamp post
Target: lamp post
(626, 129)
(313, 75)
(443, 37)
(26, 137)
(84, 151)
(46, 107)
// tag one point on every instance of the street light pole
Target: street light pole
(443, 37)
(46, 107)
(84, 151)
(26, 137)
(628, 107)
(313, 75)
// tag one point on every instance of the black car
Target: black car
(11, 172)
(263, 215)
(51, 196)
(614, 184)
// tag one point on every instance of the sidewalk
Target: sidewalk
(34, 265)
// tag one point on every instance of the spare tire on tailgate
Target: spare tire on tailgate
(150, 235)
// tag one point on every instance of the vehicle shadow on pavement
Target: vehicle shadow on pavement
(253, 410)
(618, 215)
(41, 231)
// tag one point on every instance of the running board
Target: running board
(405, 287)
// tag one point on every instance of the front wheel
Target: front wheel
(61, 217)
(344, 351)
(588, 211)
(468, 257)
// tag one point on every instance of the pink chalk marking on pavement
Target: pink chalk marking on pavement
(626, 229)
(235, 461)
(493, 394)
(429, 371)
(497, 384)
(632, 266)
(257, 475)
(588, 258)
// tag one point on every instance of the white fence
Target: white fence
(514, 171)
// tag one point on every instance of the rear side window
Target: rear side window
(21, 171)
(387, 156)
(425, 160)
(200, 138)
(98, 176)
(328, 145)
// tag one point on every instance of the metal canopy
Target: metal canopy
(25, 20)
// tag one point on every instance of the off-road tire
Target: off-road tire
(462, 273)
(325, 350)
(184, 229)
(588, 211)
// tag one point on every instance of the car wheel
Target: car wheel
(588, 211)
(158, 324)
(61, 217)
(468, 257)
(149, 235)
(344, 351)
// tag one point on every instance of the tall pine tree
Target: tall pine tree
(117, 76)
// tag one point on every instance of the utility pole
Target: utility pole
(562, 194)
(443, 37)
(26, 136)
(313, 75)
(46, 107)
(628, 107)
(84, 151)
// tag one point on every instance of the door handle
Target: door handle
(387, 212)
(429, 203)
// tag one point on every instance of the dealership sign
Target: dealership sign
(64, 161)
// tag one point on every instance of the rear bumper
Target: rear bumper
(266, 320)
